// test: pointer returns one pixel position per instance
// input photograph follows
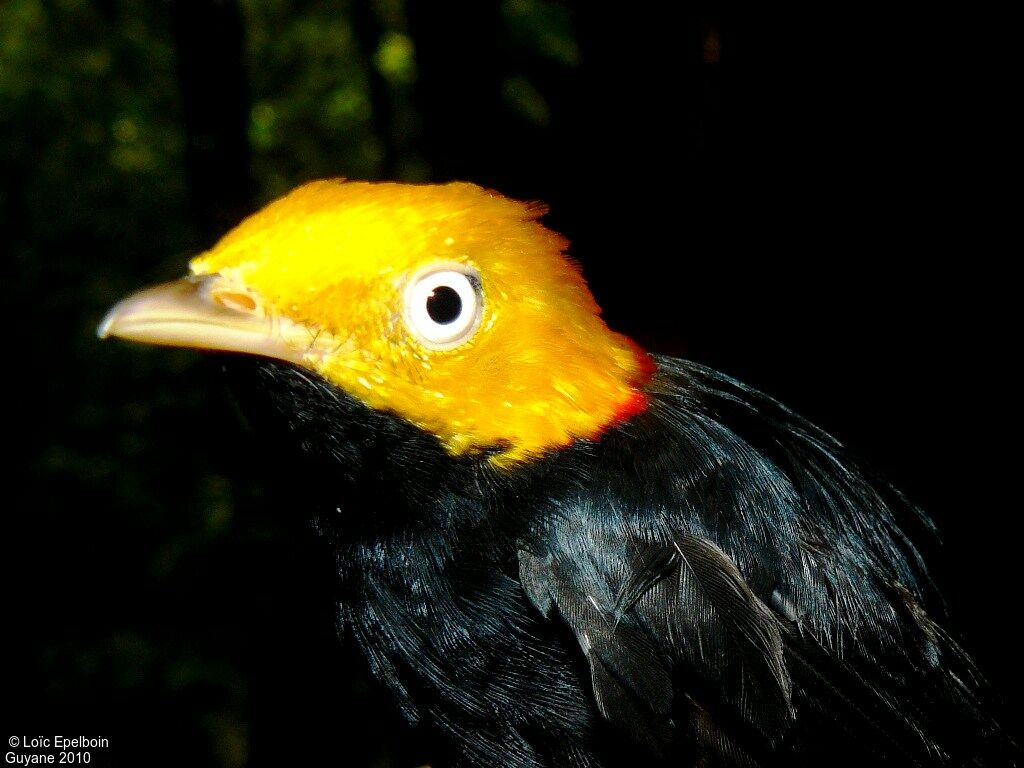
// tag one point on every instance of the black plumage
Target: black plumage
(713, 583)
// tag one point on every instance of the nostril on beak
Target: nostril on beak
(234, 300)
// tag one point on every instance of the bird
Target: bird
(552, 547)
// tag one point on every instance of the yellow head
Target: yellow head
(448, 305)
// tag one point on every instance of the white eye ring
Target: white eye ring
(443, 307)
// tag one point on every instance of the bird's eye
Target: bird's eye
(443, 307)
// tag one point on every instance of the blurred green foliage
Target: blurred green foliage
(311, 112)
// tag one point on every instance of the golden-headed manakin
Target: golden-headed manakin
(554, 548)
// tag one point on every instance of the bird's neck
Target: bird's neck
(368, 475)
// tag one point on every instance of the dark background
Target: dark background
(813, 201)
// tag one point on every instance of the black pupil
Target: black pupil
(444, 305)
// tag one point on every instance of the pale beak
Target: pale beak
(205, 313)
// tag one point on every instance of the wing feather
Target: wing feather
(732, 574)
